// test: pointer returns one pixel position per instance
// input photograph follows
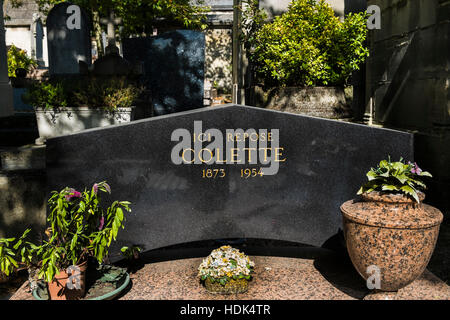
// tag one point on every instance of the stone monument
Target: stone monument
(69, 43)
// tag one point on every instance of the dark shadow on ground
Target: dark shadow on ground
(440, 261)
(332, 262)
(7, 289)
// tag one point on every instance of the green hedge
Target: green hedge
(308, 46)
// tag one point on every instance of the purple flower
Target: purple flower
(95, 187)
(76, 194)
(415, 169)
(72, 193)
(102, 223)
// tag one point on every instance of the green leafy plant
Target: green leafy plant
(46, 95)
(79, 227)
(11, 255)
(396, 177)
(18, 58)
(108, 94)
(306, 46)
(95, 93)
(131, 253)
(140, 16)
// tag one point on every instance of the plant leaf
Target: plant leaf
(410, 191)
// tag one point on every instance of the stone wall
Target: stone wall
(408, 77)
(408, 70)
(23, 188)
(18, 26)
(22, 202)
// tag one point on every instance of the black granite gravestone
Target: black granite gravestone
(173, 67)
(310, 167)
(68, 39)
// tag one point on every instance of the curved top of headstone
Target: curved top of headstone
(61, 9)
(309, 166)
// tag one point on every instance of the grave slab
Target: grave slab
(322, 164)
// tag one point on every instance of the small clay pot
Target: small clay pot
(58, 289)
(231, 287)
(391, 233)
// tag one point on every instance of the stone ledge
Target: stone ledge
(325, 278)
(29, 157)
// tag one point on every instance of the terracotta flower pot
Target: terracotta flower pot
(58, 289)
(390, 233)
(232, 286)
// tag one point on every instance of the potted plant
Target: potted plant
(390, 233)
(226, 271)
(78, 228)
(303, 59)
(71, 105)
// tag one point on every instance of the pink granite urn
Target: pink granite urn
(390, 237)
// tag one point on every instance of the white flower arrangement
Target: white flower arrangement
(225, 264)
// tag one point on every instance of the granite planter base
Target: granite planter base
(71, 120)
(322, 102)
(393, 233)
(231, 287)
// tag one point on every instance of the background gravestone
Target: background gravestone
(37, 40)
(67, 45)
(173, 68)
(326, 163)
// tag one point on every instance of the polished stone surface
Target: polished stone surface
(173, 68)
(392, 235)
(68, 39)
(326, 162)
(397, 215)
(326, 277)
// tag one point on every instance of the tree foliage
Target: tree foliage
(18, 58)
(139, 16)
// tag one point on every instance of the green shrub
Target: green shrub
(46, 95)
(18, 59)
(308, 46)
(96, 93)
(109, 94)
